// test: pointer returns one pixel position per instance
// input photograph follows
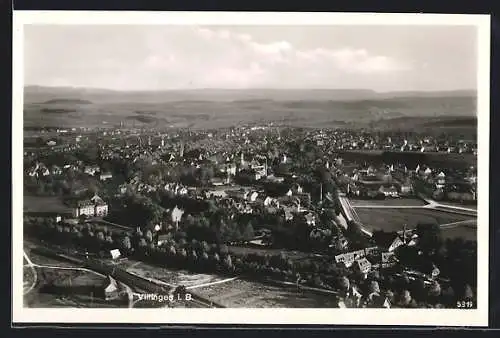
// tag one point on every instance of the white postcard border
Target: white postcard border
(433, 317)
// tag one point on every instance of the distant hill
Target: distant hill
(211, 108)
(67, 101)
(33, 93)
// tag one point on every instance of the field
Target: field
(35, 204)
(171, 277)
(245, 294)
(232, 292)
(469, 206)
(74, 289)
(389, 219)
(268, 251)
(466, 231)
(414, 202)
(62, 284)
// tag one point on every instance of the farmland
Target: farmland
(168, 276)
(219, 108)
(467, 231)
(245, 294)
(387, 202)
(231, 292)
(392, 219)
(36, 204)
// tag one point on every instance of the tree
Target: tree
(344, 284)
(406, 298)
(374, 287)
(248, 233)
(204, 247)
(228, 262)
(429, 237)
(449, 296)
(468, 293)
(149, 236)
(223, 250)
(126, 244)
(100, 236)
(194, 256)
(435, 289)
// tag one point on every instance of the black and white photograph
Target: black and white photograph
(217, 167)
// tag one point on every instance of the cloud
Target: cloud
(240, 60)
(187, 56)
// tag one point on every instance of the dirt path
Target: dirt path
(33, 270)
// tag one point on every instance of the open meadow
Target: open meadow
(393, 219)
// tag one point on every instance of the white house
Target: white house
(389, 192)
(364, 265)
(91, 170)
(253, 196)
(105, 176)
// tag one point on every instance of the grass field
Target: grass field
(232, 293)
(268, 251)
(393, 219)
(245, 294)
(172, 277)
(36, 204)
(388, 202)
(466, 231)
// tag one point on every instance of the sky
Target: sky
(162, 57)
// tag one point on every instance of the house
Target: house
(406, 188)
(253, 196)
(177, 215)
(162, 239)
(310, 219)
(84, 208)
(110, 289)
(91, 170)
(440, 180)
(56, 170)
(391, 191)
(216, 181)
(94, 207)
(105, 176)
(427, 171)
(288, 215)
(397, 242)
(276, 179)
(363, 265)
(115, 253)
(269, 201)
(122, 189)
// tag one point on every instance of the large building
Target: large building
(94, 207)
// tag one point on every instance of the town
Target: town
(362, 218)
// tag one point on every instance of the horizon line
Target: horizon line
(249, 88)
